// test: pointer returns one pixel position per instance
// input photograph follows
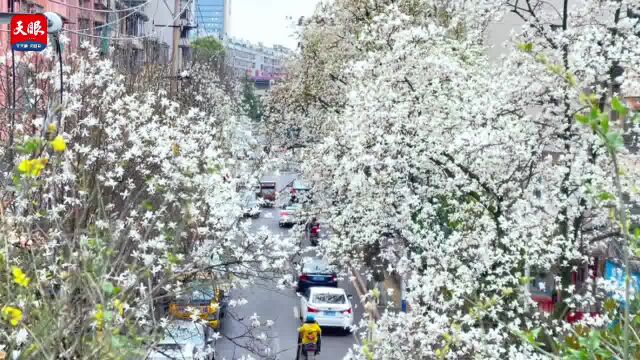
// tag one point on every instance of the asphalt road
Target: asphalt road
(280, 306)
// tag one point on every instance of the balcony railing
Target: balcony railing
(101, 4)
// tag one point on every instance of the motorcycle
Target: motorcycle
(313, 233)
(308, 351)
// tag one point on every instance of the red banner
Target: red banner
(29, 32)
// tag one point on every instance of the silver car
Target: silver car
(186, 340)
(291, 215)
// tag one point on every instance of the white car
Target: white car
(291, 215)
(186, 340)
(330, 306)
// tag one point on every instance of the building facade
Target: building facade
(158, 46)
(248, 59)
(262, 65)
(213, 17)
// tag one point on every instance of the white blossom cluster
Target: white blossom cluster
(456, 172)
(145, 192)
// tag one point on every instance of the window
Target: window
(83, 27)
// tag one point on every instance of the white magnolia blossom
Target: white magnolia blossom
(460, 174)
(145, 192)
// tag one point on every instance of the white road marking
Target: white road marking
(276, 344)
(296, 312)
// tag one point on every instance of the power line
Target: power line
(113, 22)
(101, 11)
(133, 37)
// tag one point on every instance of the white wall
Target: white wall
(160, 14)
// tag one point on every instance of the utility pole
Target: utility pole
(176, 38)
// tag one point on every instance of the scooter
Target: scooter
(308, 351)
(314, 234)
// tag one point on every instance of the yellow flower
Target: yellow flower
(99, 316)
(19, 277)
(25, 166)
(32, 167)
(58, 144)
(52, 128)
(38, 166)
(118, 305)
(14, 315)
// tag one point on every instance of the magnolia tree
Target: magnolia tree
(461, 174)
(113, 200)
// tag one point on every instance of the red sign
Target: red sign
(29, 32)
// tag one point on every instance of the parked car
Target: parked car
(330, 306)
(291, 215)
(184, 340)
(316, 272)
(201, 295)
(250, 206)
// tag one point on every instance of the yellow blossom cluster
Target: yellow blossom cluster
(19, 277)
(58, 144)
(12, 314)
(32, 167)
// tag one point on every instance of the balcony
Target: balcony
(133, 42)
(130, 3)
(101, 4)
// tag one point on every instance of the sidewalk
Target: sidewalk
(359, 283)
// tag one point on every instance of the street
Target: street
(280, 306)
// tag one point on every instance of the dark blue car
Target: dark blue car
(316, 272)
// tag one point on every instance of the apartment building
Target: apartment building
(158, 44)
(256, 59)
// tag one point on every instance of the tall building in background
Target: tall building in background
(213, 17)
(261, 64)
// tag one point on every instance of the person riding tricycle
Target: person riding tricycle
(309, 338)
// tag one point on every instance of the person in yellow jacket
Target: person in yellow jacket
(309, 332)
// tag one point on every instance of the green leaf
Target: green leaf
(525, 280)
(636, 118)
(108, 288)
(556, 69)
(582, 119)
(530, 336)
(610, 305)
(119, 341)
(30, 146)
(108, 316)
(615, 141)
(147, 205)
(173, 259)
(527, 47)
(541, 59)
(584, 99)
(619, 107)
(454, 224)
(604, 123)
(605, 196)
